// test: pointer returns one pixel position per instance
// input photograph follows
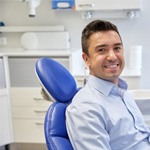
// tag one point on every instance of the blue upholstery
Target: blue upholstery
(60, 84)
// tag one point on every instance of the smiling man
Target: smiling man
(103, 115)
(105, 55)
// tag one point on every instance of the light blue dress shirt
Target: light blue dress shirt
(103, 116)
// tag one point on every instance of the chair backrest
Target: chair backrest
(60, 84)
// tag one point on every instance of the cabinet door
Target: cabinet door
(22, 73)
(2, 74)
(104, 5)
(5, 119)
(5, 114)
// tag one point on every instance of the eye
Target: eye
(117, 48)
(101, 50)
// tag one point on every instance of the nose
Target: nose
(111, 56)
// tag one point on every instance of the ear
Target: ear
(86, 59)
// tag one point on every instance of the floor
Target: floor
(23, 146)
(2, 148)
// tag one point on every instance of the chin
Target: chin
(113, 77)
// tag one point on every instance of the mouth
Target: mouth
(112, 66)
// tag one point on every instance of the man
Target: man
(103, 115)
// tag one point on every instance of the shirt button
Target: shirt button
(138, 136)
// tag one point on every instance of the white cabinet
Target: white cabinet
(28, 106)
(21, 66)
(108, 8)
(28, 111)
(5, 119)
(5, 112)
(105, 5)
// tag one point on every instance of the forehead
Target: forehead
(105, 37)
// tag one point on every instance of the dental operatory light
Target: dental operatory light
(32, 4)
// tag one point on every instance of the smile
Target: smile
(112, 66)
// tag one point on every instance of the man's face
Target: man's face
(105, 59)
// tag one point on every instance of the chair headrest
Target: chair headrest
(56, 79)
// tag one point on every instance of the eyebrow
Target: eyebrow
(105, 45)
(118, 44)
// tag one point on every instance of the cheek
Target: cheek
(100, 59)
(121, 57)
(97, 62)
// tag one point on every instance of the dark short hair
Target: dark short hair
(93, 27)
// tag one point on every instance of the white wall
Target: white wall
(133, 32)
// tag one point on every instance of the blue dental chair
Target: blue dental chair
(60, 85)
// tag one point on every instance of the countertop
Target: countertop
(21, 52)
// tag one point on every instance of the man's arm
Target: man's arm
(86, 128)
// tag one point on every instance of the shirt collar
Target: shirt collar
(106, 87)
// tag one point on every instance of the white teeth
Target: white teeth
(112, 66)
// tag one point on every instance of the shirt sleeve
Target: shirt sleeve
(86, 128)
